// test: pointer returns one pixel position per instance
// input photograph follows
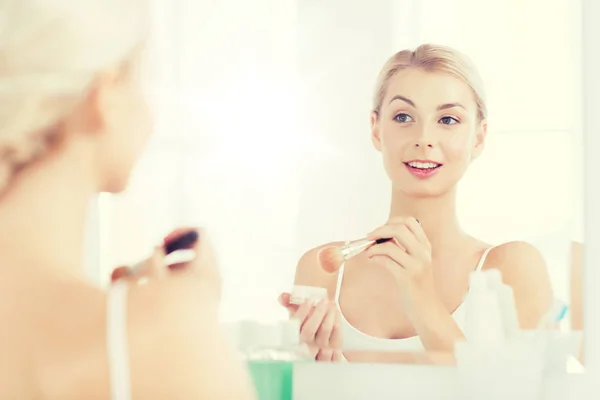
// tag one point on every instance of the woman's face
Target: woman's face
(427, 131)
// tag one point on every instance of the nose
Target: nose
(424, 139)
(424, 144)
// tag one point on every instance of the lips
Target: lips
(423, 164)
(422, 169)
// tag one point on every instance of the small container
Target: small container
(301, 294)
(496, 363)
(506, 299)
(483, 318)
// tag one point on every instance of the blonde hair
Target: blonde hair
(432, 58)
(51, 51)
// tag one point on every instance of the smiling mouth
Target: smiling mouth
(423, 166)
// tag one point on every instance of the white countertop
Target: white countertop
(348, 381)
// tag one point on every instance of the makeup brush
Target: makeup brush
(182, 245)
(183, 242)
(331, 258)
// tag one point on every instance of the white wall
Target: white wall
(270, 177)
(520, 189)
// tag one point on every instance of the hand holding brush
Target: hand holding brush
(333, 257)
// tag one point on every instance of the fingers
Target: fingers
(325, 330)
(119, 273)
(203, 263)
(313, 352)
(391, 252)
(329, 355)
(319, 328)
(284, 300)
(302, 313)
(415, 227)
(401, 233)
(325, 355)
(338, 356)
(153, 267)
(310, 327)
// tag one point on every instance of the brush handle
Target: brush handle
(183, 242)
(355, 247)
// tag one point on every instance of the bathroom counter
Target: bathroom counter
(323, 381)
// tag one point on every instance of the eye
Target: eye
(448, 121)
(403, 118)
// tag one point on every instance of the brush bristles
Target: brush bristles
(331, 259)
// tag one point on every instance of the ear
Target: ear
(375, 135)
(480, 137)
(94, 113)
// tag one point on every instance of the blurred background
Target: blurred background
(263, 108)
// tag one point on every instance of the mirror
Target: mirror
(511, 192)
(264, 137)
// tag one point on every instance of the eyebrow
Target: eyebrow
(439, 108)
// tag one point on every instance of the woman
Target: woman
(429, 123)
(72, 123)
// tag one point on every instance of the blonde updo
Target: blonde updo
(51, 51)
(432, 58)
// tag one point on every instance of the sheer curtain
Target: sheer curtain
(263, 132)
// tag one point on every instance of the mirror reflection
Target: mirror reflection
(380, 123)
(404, 286)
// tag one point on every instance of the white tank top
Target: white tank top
(358, 340)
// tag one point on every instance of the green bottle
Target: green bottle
(271, 351)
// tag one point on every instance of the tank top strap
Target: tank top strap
(483, 257)
(338, 285)
(118, 354)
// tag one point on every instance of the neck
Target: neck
(437, 216)
(43, 216)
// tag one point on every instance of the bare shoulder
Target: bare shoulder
(308, 270)
(177, 346)
(516, 259)
(524, 269)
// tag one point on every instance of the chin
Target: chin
(116, 185)
(423, 189)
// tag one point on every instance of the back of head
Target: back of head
(50, 53)
(433, 58)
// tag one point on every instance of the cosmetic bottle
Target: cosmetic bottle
(491, 364)
(506, 299)
(271, 350)
(483, 319)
